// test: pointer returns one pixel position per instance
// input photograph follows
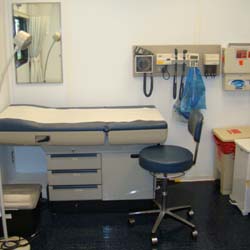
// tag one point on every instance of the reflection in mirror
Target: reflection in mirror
(42, 61)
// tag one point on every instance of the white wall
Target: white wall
(97, 59)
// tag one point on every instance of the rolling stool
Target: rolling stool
(165, 160)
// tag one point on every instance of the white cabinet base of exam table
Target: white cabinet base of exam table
(123, 178)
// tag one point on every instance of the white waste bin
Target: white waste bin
(224, 153)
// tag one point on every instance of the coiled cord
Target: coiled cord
(11, 244)
(164, 70)
(148, 94)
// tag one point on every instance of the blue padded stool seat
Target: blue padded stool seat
(166, 159)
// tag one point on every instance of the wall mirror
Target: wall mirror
(42, 61)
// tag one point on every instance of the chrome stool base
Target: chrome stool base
(168, 212)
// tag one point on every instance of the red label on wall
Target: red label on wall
(241, 54)
(241, 62)
(234, 131)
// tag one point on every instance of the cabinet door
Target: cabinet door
(239, 177)
(248, 166)
(123, 178)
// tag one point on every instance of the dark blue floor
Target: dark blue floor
(220, 225)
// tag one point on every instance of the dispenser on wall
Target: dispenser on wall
(236, 67)
(211, 62)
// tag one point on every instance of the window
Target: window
(21, 57)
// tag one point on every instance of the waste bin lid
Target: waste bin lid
(21, 196)
(230, 134)
(244, 144)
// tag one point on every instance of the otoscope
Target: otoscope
(175, 73)
(182, 74)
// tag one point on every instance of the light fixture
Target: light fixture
(56, 38)
(21, 41)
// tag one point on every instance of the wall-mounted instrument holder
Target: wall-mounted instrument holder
(165, 58)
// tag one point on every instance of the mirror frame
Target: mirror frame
(61, 43)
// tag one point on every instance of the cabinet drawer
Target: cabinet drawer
(74, 161)
(75, 192)
(74, 177)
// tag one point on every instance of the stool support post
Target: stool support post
(164, 192)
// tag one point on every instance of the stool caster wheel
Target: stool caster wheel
(190, 213)
(131, 221)
(194, 234)
(154, 239)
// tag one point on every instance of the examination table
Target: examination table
(92, 153)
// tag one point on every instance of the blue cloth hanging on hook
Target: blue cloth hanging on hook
(194, 95)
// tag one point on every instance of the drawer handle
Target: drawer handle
(74, 156)
(91, 186)
(74, 171)
(42, 138)
(133, 156)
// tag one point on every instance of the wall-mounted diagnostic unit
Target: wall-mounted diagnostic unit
(172, 60)
(144, 63)
(206, 57)
(236, 67)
